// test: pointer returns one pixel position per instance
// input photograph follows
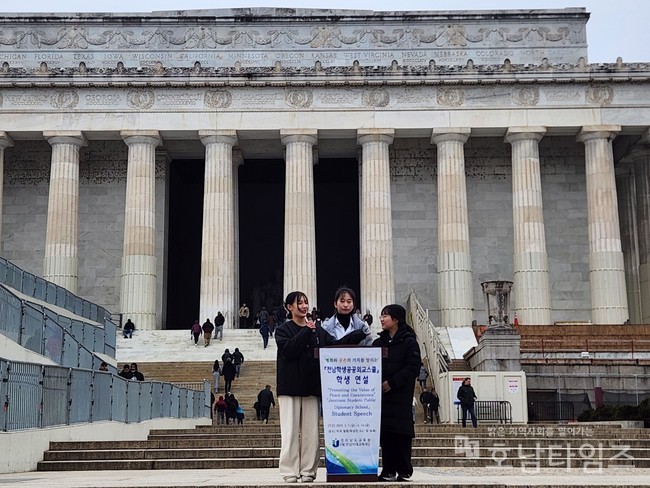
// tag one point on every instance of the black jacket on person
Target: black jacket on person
(207, 326)
(219, 320)
(237, 357)
(231, 406)
(466, 395)
(228, 370)
(400, 368)
(298, 371)
(265, 398)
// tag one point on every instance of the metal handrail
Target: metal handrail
(433, 350)
(490, 411)
(36, 396)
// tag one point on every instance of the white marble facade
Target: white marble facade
(488, 149)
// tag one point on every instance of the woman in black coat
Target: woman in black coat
(399, 370)
(228, 370)
(231, 408)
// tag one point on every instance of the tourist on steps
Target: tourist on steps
(467, 397)
(265, 400)
(228, 370)
(207, 328)
(195, 332)
(128, 329)
(216, 374)
(219, 320)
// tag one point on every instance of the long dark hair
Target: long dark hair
(345, 290)
(398, 313)
(292, 298)
(342, 291)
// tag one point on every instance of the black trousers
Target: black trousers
(264, 413)
(396, 454)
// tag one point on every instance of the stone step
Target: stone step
(497, 453)
(274, 441)
(272, 462)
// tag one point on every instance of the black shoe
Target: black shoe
(387, 477)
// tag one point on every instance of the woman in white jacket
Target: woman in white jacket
(344, 321)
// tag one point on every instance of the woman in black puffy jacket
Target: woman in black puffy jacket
(399, 370)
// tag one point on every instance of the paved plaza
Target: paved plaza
(423, 477)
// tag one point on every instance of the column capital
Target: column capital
(460, 134)
(218, 136)
(288, 136)
(375, 135)
(74, 137)
(591, 132)
(5, 140)
(151, 137)
(524, 134)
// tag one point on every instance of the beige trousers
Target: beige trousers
(299, 427)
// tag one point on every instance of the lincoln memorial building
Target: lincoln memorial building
(169, 165)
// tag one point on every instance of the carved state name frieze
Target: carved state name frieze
(61, 44)
(78, 101)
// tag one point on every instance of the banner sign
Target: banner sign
(351, 388)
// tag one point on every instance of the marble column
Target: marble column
(641, 158)
(5, 141)
(377, 268)
(531, 282)
(606, 268)
(237, 161)
(625, 192)
(138, 291)
(218, 244)
(61, 239)
(299, 217)
(454, 260)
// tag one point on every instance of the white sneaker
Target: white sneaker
(290, 479)
(307, 479)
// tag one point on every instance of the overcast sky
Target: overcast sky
(616, 27)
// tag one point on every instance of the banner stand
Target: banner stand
(351, 400)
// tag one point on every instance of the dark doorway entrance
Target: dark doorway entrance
(261, 234)
(336, 195)
(261, 231)
(183, 279)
